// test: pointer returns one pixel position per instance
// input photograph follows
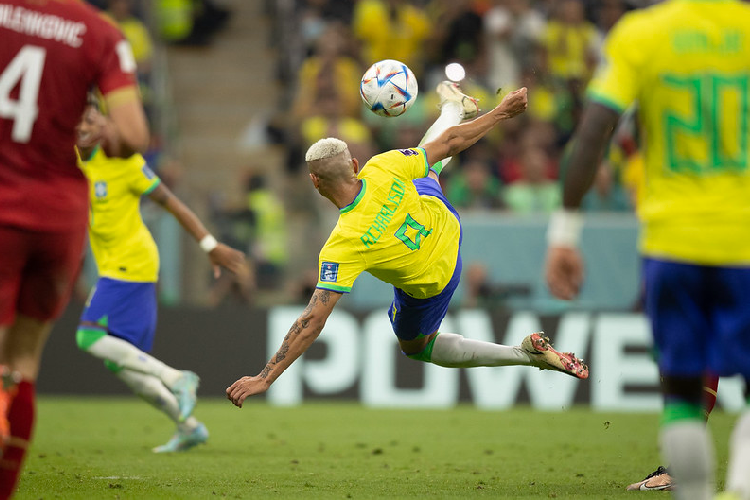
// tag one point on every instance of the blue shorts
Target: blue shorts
(128, 308)
(412, 317)
(700, 316)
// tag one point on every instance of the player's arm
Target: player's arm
(456, 139)
(564, 268)
(300, 337)
(220, 254)
(586, 151)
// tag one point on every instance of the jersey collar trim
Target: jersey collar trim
(94, 150)
(426, 165)
(353, 204)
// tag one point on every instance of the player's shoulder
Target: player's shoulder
(399, 154)
(649, 18)
(95, 19)
(637, 28)
(390, 160)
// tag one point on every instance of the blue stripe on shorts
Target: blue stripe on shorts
(700, 316)
(411, 317)
(130, 310)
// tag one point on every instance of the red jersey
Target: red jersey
(52, 52)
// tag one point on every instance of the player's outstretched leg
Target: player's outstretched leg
(455, 107)
(452, 350)
(545, 357)
(451, 92)
(659, 480)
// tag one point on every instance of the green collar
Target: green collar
(353, 204)
(92, 154)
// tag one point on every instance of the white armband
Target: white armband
(208, 243)
(565, 229)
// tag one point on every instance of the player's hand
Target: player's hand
(514, 103)
(245, 387)
(231, 259)
(564, 272)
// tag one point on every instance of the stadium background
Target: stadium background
(236, 90)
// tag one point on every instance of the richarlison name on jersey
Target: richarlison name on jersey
(46, 26)
(380, 224)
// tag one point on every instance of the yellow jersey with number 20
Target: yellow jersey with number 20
(686, 65)
(389, 230)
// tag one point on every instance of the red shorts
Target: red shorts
(37, 271)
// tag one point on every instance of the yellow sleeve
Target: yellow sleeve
(615, 83)
(141, 179)
(339, 265)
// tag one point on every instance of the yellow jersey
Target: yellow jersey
(390, 231)
(686, 63)
(122, 245)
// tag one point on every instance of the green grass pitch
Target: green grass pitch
(97, 448)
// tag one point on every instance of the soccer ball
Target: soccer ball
(388, 88)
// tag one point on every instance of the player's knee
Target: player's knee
(422, 355)
(112, 366)
(86, 336)
(425, 354)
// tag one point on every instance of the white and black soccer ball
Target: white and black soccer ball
(388, 88)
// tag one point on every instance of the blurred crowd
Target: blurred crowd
(324, 46)
(550, 46)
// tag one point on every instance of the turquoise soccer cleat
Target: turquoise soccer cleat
(183, 442)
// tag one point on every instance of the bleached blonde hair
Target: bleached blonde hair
(325, 148)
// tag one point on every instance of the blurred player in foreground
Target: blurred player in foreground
(660, 479)
(687, 64)
(626, 138)
(119, 321)
(51, 54)
(395, 223)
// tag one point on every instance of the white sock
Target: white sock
(454, 351)
(687, 448)
(126, 355)
(450, 115)
(157, 395)
(738, 474)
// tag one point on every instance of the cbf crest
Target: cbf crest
(100, 189)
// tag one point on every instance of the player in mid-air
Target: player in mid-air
(396, 224)
(687, 65)
(51, 54)
(119, 321)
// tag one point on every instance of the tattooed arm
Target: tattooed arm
(301, 335)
